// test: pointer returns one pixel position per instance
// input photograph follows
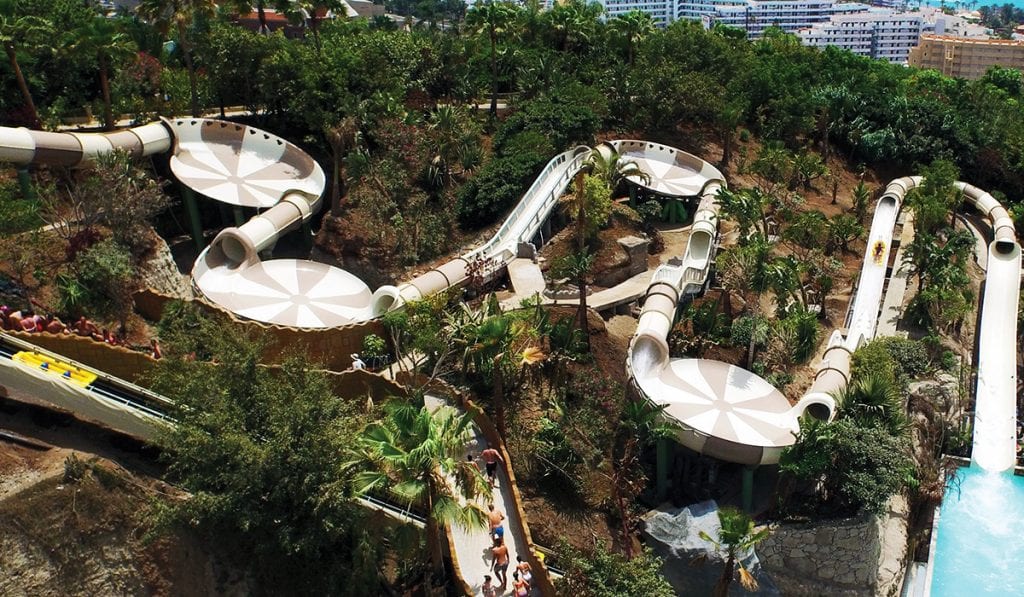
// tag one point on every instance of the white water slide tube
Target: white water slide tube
(995, 415)
(722, 410)
(834, 371)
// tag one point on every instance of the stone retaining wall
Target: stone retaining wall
(860, 556)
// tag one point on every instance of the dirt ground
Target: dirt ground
(61, 535)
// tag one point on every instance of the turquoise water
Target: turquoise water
(980, 545)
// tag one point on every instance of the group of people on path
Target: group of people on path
(522, 575)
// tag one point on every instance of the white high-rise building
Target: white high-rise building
(880, 35)
(754, 16)
(662, 11)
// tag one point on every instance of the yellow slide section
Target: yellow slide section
(68, 371)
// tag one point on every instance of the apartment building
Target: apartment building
(881, 35)
(754, 16)
(662, 11)
(966, 57)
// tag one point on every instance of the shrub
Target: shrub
(602, 573)
(873, 358)
(497, 186)
(909, 356)
(853, 468)
(100, 284)
(374, 346)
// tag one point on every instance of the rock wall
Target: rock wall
(860, 556)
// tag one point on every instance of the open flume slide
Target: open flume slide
(995, 416)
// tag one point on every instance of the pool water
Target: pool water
(980, 544)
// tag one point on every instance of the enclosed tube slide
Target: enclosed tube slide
(22, 146)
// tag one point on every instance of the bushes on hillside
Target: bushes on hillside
(496, 187)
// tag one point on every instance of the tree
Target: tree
(418, 456)
(599, 572)
(343, 138)
(935, 197)
(18, 29)
(842, 230)
(257, 448)
(492, 18)
(576, 266)
(633, 27)
(101, 39)
(861, 197)
(179, 15)
(736, 537)
(748, 207)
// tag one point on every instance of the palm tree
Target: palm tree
(633, 26)
(418, 457)
(179, 15)
(871, 398)
(17, 29)
(607, 166)
(748, 207)
(102, 39)
(736, 537)
(498, 344)
(492, 18)
(247, 6)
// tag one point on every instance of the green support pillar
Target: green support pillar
(193, 217)
(239, 215)
(25, 182)
(632, 196)
(307, 235)
(748, 489)
(664, 455)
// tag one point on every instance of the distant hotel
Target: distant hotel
(753, 16)
(968, 58)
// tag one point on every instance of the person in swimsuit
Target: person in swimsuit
(500, 565)
(520, 588)
(491, 458)
(495, 518)
(488, 589)
(523, 567)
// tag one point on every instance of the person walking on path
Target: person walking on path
(500, 565)
(495, 519)
(491, 458)
(523, 567)
(520, 588)
(488, 589)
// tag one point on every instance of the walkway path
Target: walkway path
(892, 304)
(473, 548)
(526, 277)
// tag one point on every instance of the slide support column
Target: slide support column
(25, 182)
(748, 488)
(664, 452)
(193, 217)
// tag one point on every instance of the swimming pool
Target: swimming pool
(980, 544)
